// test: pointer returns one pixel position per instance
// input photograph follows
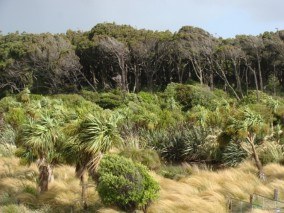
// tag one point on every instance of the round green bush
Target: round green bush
(125, 184)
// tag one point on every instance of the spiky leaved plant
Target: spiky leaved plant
(247, 127)
(93, 136)
(41, 141)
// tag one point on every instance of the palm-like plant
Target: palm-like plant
(248, 127)
(94, 136)
(41, 141)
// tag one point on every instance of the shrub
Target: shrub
(233, 154)
(169, 144)
(186, 143)
(8, 102)
(7, 141)
(16, 117)
(89, 95)
(125, 184)
(175, 172)
(110, 100)
(192, 95)
(147, 157)
(271, 152)
(251, 97)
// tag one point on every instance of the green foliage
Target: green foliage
(271, 152)
(254, 97)
(125, 184)
(233, 154)
(7, 141)
(90, 96)
(110, 100)
(193, 95)
(41, 138)
(16, 117)
(24, 96)
(273, 86)
(186, 143)
(245, 123)
(6, 199)
(98, 133)
(147, 157)
(263, 110)
(7, 103)
(175, 172)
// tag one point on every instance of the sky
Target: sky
(221, 18)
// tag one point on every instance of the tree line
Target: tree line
(120, 56)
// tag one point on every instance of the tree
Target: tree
(15, 72)
(247, 127)
(54, 63)
(253, 47)
(41, 141)
(200, 46)
(227, 62)
(93, 136)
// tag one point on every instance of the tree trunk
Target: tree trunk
(251, 139)
(256, 82)
(238, 80)
(84, 190)
(44, 177)
(259, 73)
(45, 174)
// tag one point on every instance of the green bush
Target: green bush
(7, 141)
(271, 152)
(191, 95)
(254, 97)
(169, 144)
(125, 184)
(16, 117)
(110, 100)
(233, 154)
(7, 103)
(89, 95)
(185, 143)
(147, 157)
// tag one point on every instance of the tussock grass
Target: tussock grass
(18, 185)
(203, 191)
(207, 191)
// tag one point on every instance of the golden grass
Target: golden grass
(203, 191)
(207, 191)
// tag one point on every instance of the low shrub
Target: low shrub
(125, 184)
(147, 157)
(271, 152)
(233, 154)
(186, 143)
(110, 100)
(192, 95)
(175, 172)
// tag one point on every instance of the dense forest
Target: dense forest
(120, 56)
(119, 119)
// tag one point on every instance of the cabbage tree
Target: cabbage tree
(41, 141)
(91, 138)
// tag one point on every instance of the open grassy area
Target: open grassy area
(202, 191)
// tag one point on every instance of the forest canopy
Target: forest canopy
(119, 56)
